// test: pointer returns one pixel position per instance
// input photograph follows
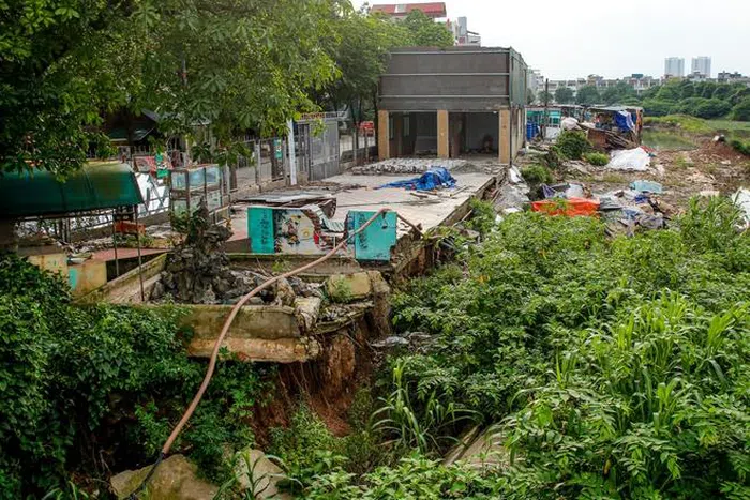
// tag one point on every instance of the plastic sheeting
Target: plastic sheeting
(624, 121)
(646, 187)
(630, 159)
(742, 200)
(570, 207)
(432, 179)
(569, 124)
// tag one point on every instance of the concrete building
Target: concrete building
(536, 82)
(461, 33)
(731, 78)
(435, 10)
(701, 66)
(674, 67)
(452, 102)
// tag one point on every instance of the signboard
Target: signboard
(278, 149)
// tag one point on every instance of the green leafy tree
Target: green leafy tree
(654, 107)
(425, 32)
(62, 63)
(713, 108)
(233, 65)
(563, 95)
(618, 94)
(588, 95)
(741, 111)
(547, 97)
(361, 54)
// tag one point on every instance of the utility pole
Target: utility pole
(546, 103)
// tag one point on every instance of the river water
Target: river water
(666, 141)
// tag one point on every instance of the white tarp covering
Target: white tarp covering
(742, 200)
(570, 124)
(630, 159)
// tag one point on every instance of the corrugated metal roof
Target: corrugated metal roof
(96, 186)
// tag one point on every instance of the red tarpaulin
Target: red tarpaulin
(570, 207)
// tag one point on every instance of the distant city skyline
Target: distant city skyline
(565, 40)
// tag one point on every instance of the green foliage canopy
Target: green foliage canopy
(563, 95)
(588, 95)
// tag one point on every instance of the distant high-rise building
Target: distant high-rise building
(675, 66)
(701, 66)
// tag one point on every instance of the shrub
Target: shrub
(537, 174)
(596, 159)
(655, 108)
(71, 377)
(741, 111)
(572, 145)
(615, 365)
(740, 147)
(712, 108)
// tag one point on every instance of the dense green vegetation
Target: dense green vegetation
(611, 368)
(84, 389)
(235, 67)
(706, 100)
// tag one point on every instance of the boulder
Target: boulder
(255, 471)
(307, 312)
(347, 287)
(479, 449)
(174, 479)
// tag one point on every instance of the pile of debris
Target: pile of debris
(198, 272)
(406, 166)
(638, 206)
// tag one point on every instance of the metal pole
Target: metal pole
(138, 245)
(544, 113)
(114, 240)
(510, 106)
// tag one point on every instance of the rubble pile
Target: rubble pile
(403, 166)
(197, 271)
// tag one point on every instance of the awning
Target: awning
(96, 186)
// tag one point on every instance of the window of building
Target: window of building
(400, 8)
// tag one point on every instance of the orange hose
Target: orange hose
(233, 314)
(219, 341)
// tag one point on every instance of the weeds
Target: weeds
(572, 145)
(682, 161)
(596, 159)
(537, 174)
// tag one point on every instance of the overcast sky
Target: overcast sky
(575, 38)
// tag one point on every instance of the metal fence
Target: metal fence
(154, 192)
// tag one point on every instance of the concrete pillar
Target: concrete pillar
(398, 134)
(442, 132)
(384, 136)
(504, 140)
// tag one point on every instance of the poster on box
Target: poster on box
(295, 233)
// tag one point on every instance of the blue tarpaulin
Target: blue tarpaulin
(432, 179)
(624, 121)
